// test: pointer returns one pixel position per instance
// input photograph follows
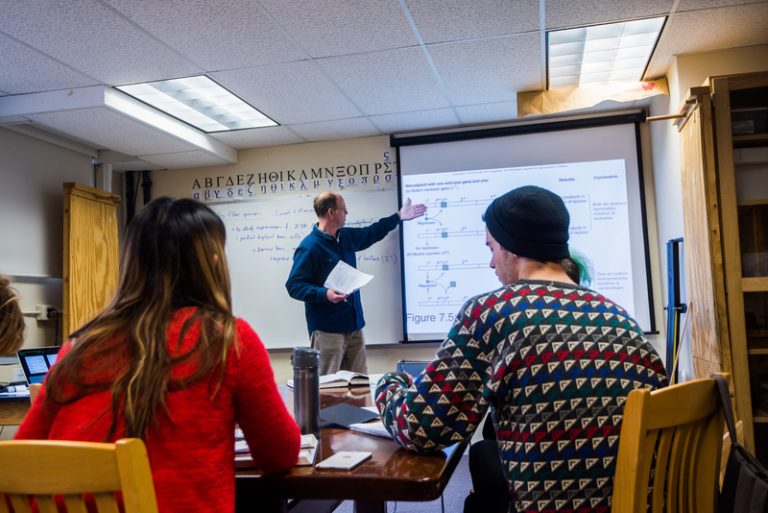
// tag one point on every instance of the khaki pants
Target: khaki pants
(340, 351)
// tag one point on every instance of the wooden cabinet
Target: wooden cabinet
(90, 253)
(725, 187)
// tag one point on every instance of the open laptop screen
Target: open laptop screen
(36, 362)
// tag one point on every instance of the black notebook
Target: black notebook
(343, 415)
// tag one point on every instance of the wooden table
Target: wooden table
(13, 410)
(391, 474)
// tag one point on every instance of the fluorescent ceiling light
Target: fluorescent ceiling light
(200, 102)
(603, 54)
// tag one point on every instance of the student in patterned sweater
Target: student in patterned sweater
(167, 362)
(553, 361)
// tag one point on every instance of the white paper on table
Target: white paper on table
(346, 279)
(375, 428)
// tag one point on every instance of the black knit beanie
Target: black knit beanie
(530, 222)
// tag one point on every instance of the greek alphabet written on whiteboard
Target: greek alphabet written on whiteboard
(250, 185)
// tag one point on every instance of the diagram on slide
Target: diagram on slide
(446, 261)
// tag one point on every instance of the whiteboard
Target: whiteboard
(261, 239)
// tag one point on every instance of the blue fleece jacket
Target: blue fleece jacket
(315, 257)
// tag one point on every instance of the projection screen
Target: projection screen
(596, 169)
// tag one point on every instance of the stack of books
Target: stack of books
(341, 379)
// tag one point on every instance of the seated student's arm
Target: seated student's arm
(301, 280)
(448, 400)
(272, 435)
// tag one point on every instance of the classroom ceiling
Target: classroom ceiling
(323, 69)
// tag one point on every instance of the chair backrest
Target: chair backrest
(678, 432)
(81, 472)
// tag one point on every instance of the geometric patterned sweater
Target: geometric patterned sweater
(555, 363)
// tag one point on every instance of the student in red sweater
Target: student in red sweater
(167, 362)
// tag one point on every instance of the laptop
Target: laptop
(412, 367)
(36, 362)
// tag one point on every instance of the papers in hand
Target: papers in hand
(346, 279)
(341, 379)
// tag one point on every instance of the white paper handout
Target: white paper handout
(346, 279)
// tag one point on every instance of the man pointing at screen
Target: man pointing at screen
(334, 320)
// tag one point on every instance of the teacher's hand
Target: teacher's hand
(335, 297)
(410, 211)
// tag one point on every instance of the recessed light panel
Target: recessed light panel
(200, 102)
(601, 54)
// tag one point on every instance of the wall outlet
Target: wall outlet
(41, 312)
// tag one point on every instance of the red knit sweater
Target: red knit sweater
(192, 455)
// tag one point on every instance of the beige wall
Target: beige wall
(31, 202)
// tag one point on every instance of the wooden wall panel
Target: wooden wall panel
(91, 253)
(708, 322)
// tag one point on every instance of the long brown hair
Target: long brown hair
(11, 319)
(173, 257)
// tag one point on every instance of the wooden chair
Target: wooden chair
(677, 430)
(81, 472)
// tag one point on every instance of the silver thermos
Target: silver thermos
(306, 389)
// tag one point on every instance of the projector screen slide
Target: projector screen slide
(445, 258)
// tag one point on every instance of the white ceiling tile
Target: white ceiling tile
(449, 20)
(339, 27)
(258, 137)
(700, 31)
(25, 70)
(389, 81)
(695, 5)
(488, 112)
(89, 36)
(337, 129)
(184, 160)
(576, 13)
(465, 67)
(215, 35)
(420, 120)
(297, 92)
(103, 128)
